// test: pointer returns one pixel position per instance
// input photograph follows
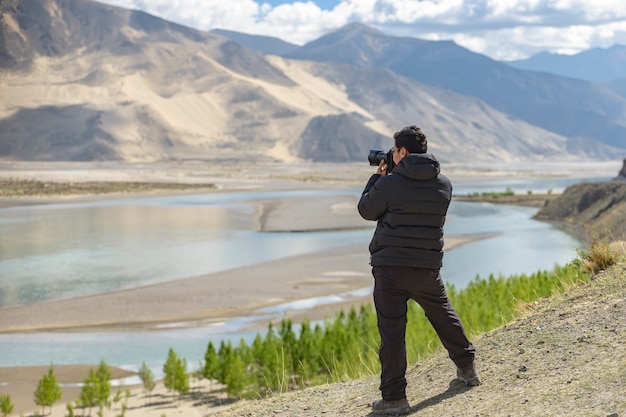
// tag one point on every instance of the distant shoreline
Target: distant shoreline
(529, 200)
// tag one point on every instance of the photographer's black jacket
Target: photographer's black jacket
(410, 205)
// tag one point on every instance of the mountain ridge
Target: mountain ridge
(551, 102)
(139, 88)
(595, 210)
(595, 65)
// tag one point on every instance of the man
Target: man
(410, 205)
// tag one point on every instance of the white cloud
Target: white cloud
(502, 29)
(297, 23)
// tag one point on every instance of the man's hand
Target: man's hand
(382, 168)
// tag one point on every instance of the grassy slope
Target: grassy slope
(565, 356)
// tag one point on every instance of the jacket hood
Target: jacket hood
(418, 166)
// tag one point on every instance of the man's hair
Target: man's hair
(412, 139)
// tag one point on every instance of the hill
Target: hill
(595, 209)
(566, 356)
(87, 81)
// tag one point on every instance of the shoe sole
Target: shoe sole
(472, 382)
(400, 412)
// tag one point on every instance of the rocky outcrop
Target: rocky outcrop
(622, 174)
(594, 210)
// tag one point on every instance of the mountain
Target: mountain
(568, 107)
(87, 81)
(597, 64)
(618, 85)
(265, 44)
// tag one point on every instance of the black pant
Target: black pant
(394, 286)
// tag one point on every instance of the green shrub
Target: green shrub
(175, 374)
(48, 390)
(6, 405)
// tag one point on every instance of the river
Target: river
(58, 251)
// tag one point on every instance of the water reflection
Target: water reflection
(53, 253)
(520, 244)
(64, 251)
(61, 251)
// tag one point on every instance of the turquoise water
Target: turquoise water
(62, 251)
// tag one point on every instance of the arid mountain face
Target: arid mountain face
(622, 173)
(84, 81)
(570, 107)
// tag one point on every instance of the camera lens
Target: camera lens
(375, 156)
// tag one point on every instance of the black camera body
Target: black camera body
(376, 156)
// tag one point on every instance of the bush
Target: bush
(6, 405)
(597, 258)
(48, 390)
(175, 370)
(96, 389)
(147, 380)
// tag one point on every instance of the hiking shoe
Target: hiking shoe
(468, 376)
(394, 408)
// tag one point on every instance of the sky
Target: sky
(501, 29)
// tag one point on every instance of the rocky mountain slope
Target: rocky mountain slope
(597, 210)
(621, 176)
(85, 81)
(574, 108)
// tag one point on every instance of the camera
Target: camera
(376, 155)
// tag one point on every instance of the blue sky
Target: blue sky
(500, 29)
(322, 4)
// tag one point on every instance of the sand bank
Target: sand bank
(210, 298)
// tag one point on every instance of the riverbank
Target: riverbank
(192, 302)
(529, 200)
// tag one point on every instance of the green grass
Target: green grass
(507, 192)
